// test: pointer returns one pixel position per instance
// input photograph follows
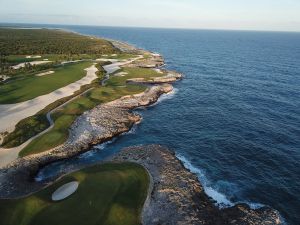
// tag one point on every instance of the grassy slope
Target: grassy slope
(34, 86)
(109, 194)
(115, 88)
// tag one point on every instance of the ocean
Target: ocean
(234, 119)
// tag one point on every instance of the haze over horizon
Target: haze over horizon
(276, 15)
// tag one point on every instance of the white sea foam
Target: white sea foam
(220, 198)
(166, 96)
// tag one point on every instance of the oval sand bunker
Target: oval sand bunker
(65, 191)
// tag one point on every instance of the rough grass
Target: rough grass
(33, 86)
(108, 194)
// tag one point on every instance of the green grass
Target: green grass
(37, 123)
(33, 86)
(115, 88)
(16, 59)
(119, 56)
(64, 117)
(52, 44)
(108, 194)
(132, 73)
(50, 41)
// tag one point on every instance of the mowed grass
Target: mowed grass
(119, 56)
(115, 88)
(108, 194)
(64, 117)
(132, 73)
(33, 86)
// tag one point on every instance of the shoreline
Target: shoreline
(96, 126)
(21, 171)
(177, 191)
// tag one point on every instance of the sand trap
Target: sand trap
(155, 54)
(65, 191)
(11, 114)
(121, 74)
(3, 78)
(45, 73)
(33, 57)
(158, 71)
(21, 65)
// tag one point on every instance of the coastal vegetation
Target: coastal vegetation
(52, 45)
(51, 41)
(115, 88)
(108, 194)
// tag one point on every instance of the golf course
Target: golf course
(108, 194)
(52, 77)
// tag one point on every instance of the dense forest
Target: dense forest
(45, 41)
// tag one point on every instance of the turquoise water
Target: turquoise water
(234, 119)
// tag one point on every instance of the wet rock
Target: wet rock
(177, 197)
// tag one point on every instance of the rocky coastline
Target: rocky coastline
(175, 194)
(95, 126)
(177, 197)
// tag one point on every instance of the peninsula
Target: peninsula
(62, 93)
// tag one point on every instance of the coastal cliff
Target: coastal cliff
(177, 197)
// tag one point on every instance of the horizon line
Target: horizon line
(149, 27)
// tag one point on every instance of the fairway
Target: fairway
(108, 194)
(33, 86)
(115, 88)
(64, 117)
(130, 72)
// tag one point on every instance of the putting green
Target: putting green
(108, 194)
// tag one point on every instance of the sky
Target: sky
(271, 15)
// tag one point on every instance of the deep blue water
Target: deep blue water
(235, 118)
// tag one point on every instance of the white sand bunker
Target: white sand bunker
(3, 78)
(33, 57)
(65, 191)
(21, 65)
(45, 73)
(121, 74)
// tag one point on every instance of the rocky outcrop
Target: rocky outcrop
(151, 61)
(93, 127)
(176, 196)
